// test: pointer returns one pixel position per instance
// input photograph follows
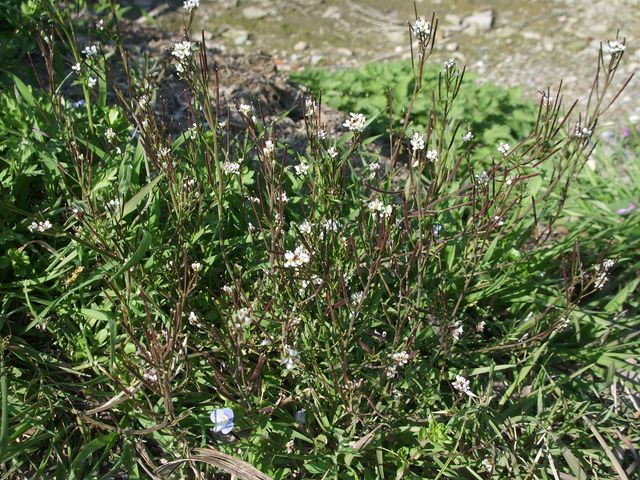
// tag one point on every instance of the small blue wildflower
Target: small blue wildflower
(222, 419)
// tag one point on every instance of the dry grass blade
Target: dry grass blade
(227, 463)
(616, 465)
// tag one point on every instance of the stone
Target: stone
(451, 46)
(479, 22)
(254, 13)
(237, 35)
(300, 46)
(344, 52)
(332, 12)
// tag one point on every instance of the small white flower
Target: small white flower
(449, 64)
(297, 257)
(231, 168)
(90, 50)
(227, 289)
(432, 155)
(196, 267)
(268, 148)
(92, 82)
(357, 297)
(109, 134)
(305, 227)
(486, 463)
(437, 228)
(461, 384)
(355, 122)
(302, 168)
(151, 375)
(602, 273)
(417, 142)
(504, 148)
(582, 132)
(421, 28)
(391, 371)
(100, 24)
(189, 5)
(291, 357)
(480, 326)
(244, 109)
(322, 134)
(616, 48)
(40, 226)
(400, 358)
(76, 68)
(376, 207)
(468, 136)
(181, 50)
(332, 152)
(310, 107)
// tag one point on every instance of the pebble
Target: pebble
(479, 22)
(254, 13)
(300, 46)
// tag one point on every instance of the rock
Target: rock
(530, 35)
(332, 12)
(254, 13)
(300, 46)
(237, 35)
(451, 46)
(344, 52)
(479, 22)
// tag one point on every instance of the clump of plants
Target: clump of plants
(215, 303)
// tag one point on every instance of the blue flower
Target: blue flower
(222, 419)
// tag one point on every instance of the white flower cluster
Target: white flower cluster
(504, 148)
(291, 357)
(602, 273)
(182, 52)
(332, 152)
(305, 227)
(376, 207)
(90, 51)
(355, 122)
(421, 28)
(40, 226)
(269, 148)
(109, 134)
(244, 109)
(400, 358)
(196, 267)
(302, 168)
(297, 257)
(310, 107)
(582, 132)
(189, 5)
(616, 48)
(231, 168)
(461, 384)
(417, 142)
(373, 168)
(450, 64)
(432, 155)
(467, 136)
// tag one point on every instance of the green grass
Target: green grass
(162, 290)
